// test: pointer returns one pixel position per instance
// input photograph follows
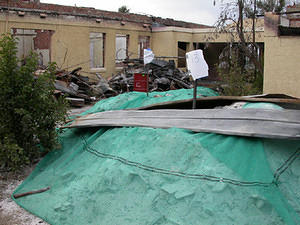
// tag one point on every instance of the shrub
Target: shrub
(29, 112)
(239, 81)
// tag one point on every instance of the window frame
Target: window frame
(101, 38)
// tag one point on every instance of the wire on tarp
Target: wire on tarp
(277, 173)
(286, 165)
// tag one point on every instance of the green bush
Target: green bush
(238, 81)
(29, 112)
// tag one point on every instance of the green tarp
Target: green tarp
(148, 176)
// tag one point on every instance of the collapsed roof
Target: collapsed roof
(54, 9)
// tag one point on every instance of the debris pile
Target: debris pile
(80, 89)
(74, 85)
(163, 76)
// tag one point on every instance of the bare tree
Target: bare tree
(238, 16)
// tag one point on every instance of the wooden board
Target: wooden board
(282, 124)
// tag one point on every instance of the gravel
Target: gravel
(10, 212)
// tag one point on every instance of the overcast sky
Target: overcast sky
(197, 11)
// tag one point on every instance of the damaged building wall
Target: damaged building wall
(37, 40)
(164, 43)
(184, 45)
(70, 44)
(209, 35)
(175, 41)
(70, 39)
(282, 58)
(172, 42)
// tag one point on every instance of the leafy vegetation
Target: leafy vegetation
(29, 112)
(124, 9)
(238, 81)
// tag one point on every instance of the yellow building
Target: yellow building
(98, 40)
(93, 39)
(282, 58)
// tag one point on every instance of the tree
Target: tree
(29, 113)
(124, 9)
(236, 12)
(236, 17)
(270, 6)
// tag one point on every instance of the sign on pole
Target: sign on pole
(148, 56)
(196, 64)
(197, 68)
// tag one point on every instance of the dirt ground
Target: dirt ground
(10, 212)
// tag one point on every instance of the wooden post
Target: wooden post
(31, 192)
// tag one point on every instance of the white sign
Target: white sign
(196, 64)
(148, 56)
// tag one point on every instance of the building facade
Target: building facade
(98, 41)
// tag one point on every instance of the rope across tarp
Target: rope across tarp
(142, 166)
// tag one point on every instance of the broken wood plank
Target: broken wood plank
(78, 102)
(31, 192)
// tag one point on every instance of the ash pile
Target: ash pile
(163, 76)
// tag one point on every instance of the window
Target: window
(182, 48)
(144, 43)
(37, 40)
(121, 48)
(97, 43)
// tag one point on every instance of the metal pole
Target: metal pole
(147, 74)
(195, 94)
(147, 83)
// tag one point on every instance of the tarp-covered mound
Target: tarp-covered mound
(147, 176)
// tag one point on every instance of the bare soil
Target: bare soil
(10, 212)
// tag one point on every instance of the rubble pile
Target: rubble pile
(75, 86)
(163, 76)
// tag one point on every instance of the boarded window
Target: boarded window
(144, 43)
(182, 48)
(34, 40)
(121, 48)
(97, 44)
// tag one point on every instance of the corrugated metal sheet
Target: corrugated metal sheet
(266, 123)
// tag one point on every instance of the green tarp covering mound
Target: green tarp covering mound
(147, 176)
